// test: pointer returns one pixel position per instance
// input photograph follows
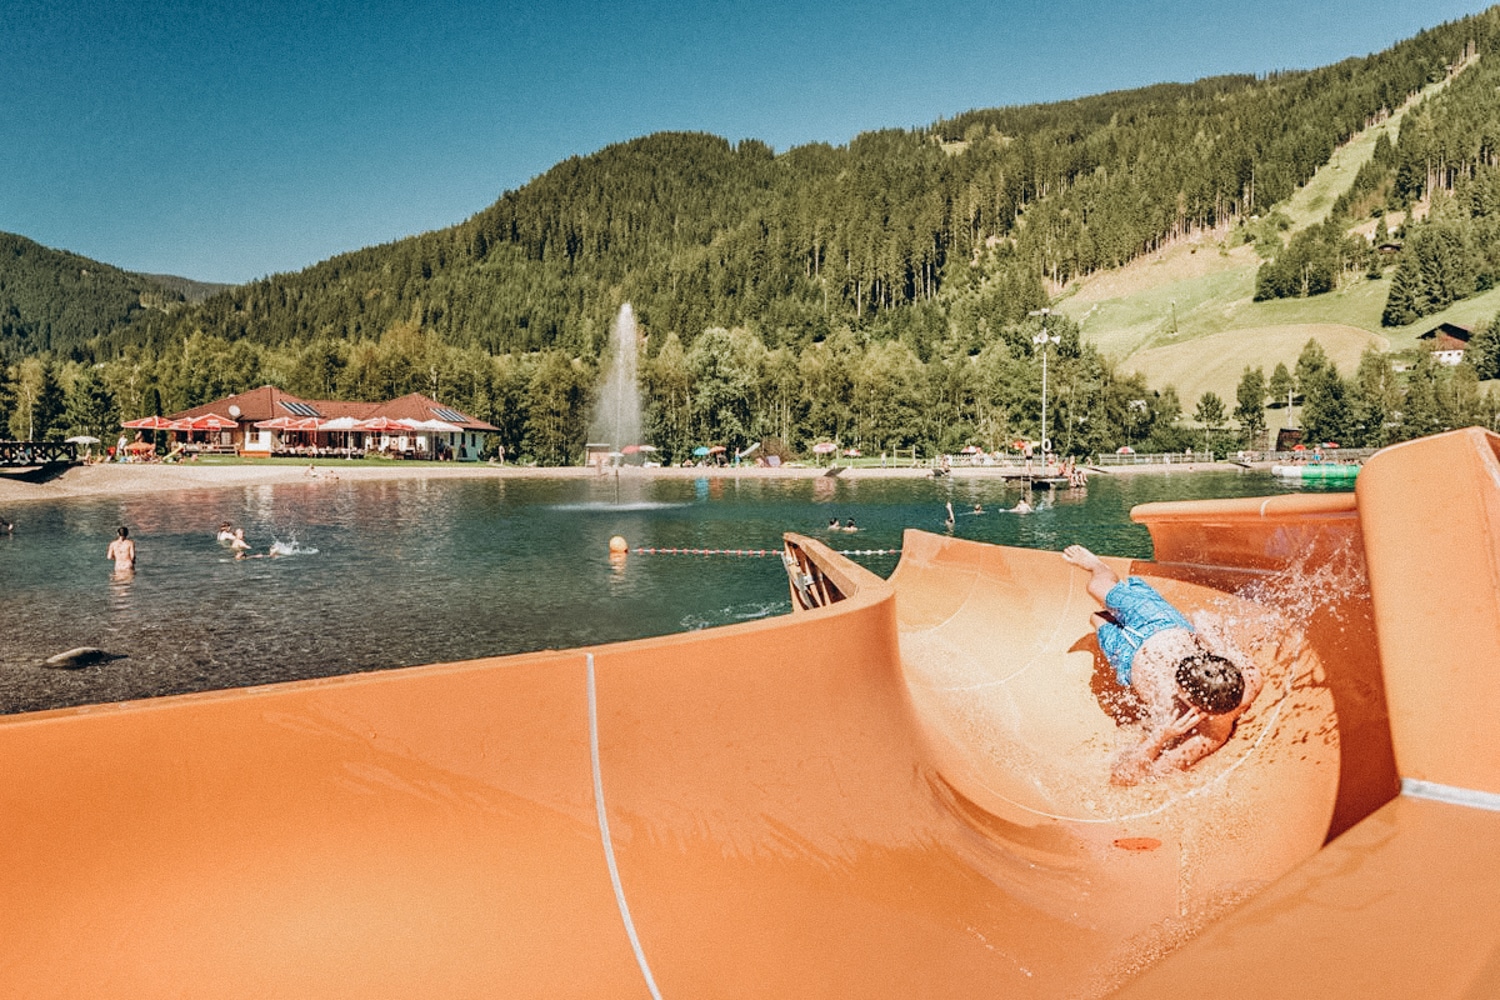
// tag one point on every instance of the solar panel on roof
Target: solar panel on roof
(443, 413)
(300, 409)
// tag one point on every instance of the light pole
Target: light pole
(1042, 340)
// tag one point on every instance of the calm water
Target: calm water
(389, 574)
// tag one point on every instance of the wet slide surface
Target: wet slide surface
(903, 794)
(1023, 719)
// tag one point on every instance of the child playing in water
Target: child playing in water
(1193, 697)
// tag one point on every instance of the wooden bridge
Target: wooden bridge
(34, 453)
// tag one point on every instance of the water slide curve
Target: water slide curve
(901, 792)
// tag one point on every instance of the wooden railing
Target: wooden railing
(29, 453)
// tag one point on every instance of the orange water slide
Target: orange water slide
(900, 793)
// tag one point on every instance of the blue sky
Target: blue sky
(227, 141)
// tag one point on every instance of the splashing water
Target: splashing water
(617, 420)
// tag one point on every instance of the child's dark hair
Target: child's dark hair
(1210, 683)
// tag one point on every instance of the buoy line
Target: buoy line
(754, 552)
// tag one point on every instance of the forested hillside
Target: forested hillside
(696, 232)
(877, 292)
(51, 300)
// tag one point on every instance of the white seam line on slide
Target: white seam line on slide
(609, 847)
(1450, 794)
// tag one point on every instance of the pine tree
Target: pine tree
(1210, 412)
(1325, 414)
(1281, 385)
(1484, 349)
(90, 405)
(1251, 397)
(1312, 362)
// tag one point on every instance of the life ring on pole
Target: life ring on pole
(1046, 446)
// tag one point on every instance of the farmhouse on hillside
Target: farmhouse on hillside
(1448, 342)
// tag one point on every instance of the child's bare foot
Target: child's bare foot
(1082, 558)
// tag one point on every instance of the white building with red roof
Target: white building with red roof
(270, 421)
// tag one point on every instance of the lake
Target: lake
(402, 572)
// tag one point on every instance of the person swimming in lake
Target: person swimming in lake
(1023, 506)
(833, 524)
(226, 532)
(122, 551)
(849, 525)
(238, 545)
(1193, 696)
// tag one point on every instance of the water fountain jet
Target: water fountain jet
(617, 418)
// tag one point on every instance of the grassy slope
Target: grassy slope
(1186, 316)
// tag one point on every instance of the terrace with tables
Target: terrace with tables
(268, 422)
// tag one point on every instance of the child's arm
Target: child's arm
(1152, 757)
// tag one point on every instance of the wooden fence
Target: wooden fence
(31, 453)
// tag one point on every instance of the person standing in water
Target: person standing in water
(122, 551)
(1193, 697)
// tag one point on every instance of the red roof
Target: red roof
(416, 406)
(257, 404)
(269, 402)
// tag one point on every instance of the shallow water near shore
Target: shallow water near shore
(375, 575)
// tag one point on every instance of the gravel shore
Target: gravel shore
(117, 479)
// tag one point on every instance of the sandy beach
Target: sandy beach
(116, 480)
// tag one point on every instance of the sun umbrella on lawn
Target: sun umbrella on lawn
(213, 422)
(147, 424)
(382, 425)
(825, 448)
(701, 450)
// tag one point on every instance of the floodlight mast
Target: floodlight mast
(1042, 340)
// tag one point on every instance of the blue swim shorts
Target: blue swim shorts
(1141, 613)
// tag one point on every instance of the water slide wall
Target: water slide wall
(902, 793)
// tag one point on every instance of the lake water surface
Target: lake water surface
(403, 572)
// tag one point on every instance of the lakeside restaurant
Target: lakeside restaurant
(268, 421)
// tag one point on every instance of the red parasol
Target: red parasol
(147, 423)
(212, 422)
(383, 425)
